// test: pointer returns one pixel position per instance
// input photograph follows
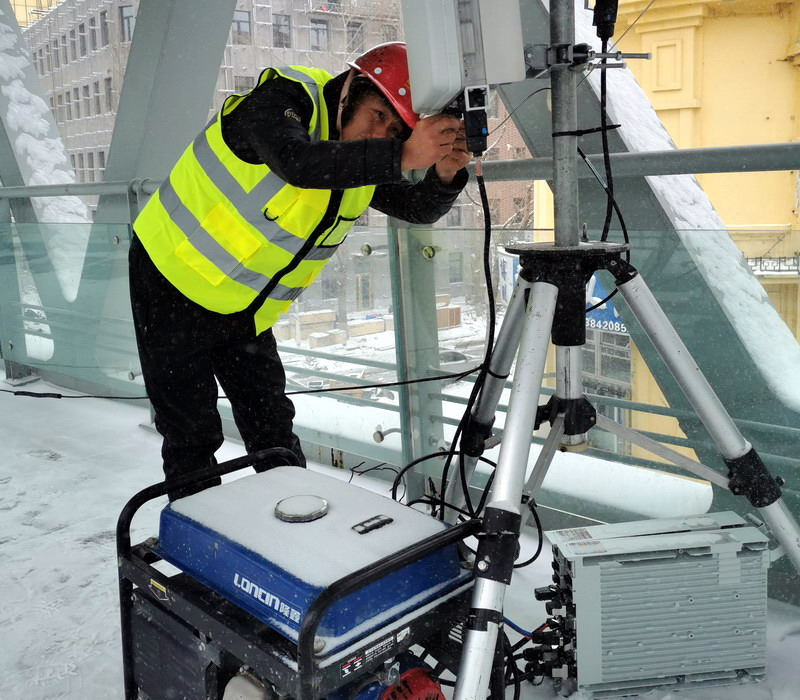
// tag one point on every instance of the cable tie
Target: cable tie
(583, 132)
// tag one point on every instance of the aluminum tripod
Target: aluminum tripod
(549, 301)
(544, 303)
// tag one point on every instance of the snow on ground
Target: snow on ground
(69, 467)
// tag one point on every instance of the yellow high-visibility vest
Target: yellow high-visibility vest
(220, 229)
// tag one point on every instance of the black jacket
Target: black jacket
(271, 126)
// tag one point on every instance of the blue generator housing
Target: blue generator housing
(272, 542)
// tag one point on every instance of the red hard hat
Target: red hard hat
(386, 66)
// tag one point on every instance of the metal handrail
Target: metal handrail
(146, 186)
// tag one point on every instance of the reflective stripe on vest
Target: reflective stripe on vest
(207, 226)
(208, 246)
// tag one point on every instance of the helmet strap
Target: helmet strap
(343, 96)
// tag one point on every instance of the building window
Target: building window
(87, 102)
(90, 165)
(73, 45)
(103, 28)
(319, 35)
(282, 31)
(355, 37)
(388, 33)
(76, 102)
(243, 83)
(64, 54)
(54, 52)
(607, 357)
(53, 106)
(81, 168)
(109, 100)
(363, 291)
(241, 32)
(101, 165)
(93, 33)
(456, 267)
(60, 108)
(68, 104)
(47, 58)
(127, 21)
(82, 38)
(40, 62)
(97, 107)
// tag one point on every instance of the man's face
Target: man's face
(373, 119)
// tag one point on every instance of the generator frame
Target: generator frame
(228, 637)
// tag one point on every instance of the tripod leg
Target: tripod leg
(480, 422)
(662, 451)
(748, 475)
(546, 455)
(494, 561)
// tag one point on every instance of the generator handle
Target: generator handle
(196, 477)
(124, 538)
(359, 579)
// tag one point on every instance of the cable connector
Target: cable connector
(604, 18)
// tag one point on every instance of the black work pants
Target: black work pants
(184, 348)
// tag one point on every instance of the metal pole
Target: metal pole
(727, 159)
(563, 84)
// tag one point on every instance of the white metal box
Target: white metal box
(676, 602)
(454, 44)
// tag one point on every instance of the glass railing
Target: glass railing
(382, 353)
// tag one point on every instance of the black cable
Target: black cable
(417, 461)
(484, 367)
(535, 92)
(604, 137)
(511, 667)
(55, 395)
(532, 508)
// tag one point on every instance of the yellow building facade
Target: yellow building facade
(727, 73)
(721, 73)
(28, 11)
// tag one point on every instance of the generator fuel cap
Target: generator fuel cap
(301, 509)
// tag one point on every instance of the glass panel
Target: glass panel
(66, 312)
(623, 376)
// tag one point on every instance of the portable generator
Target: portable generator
(289, 583)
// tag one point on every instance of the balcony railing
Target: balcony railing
(775, 266)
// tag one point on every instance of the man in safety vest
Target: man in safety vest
(245, 221)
